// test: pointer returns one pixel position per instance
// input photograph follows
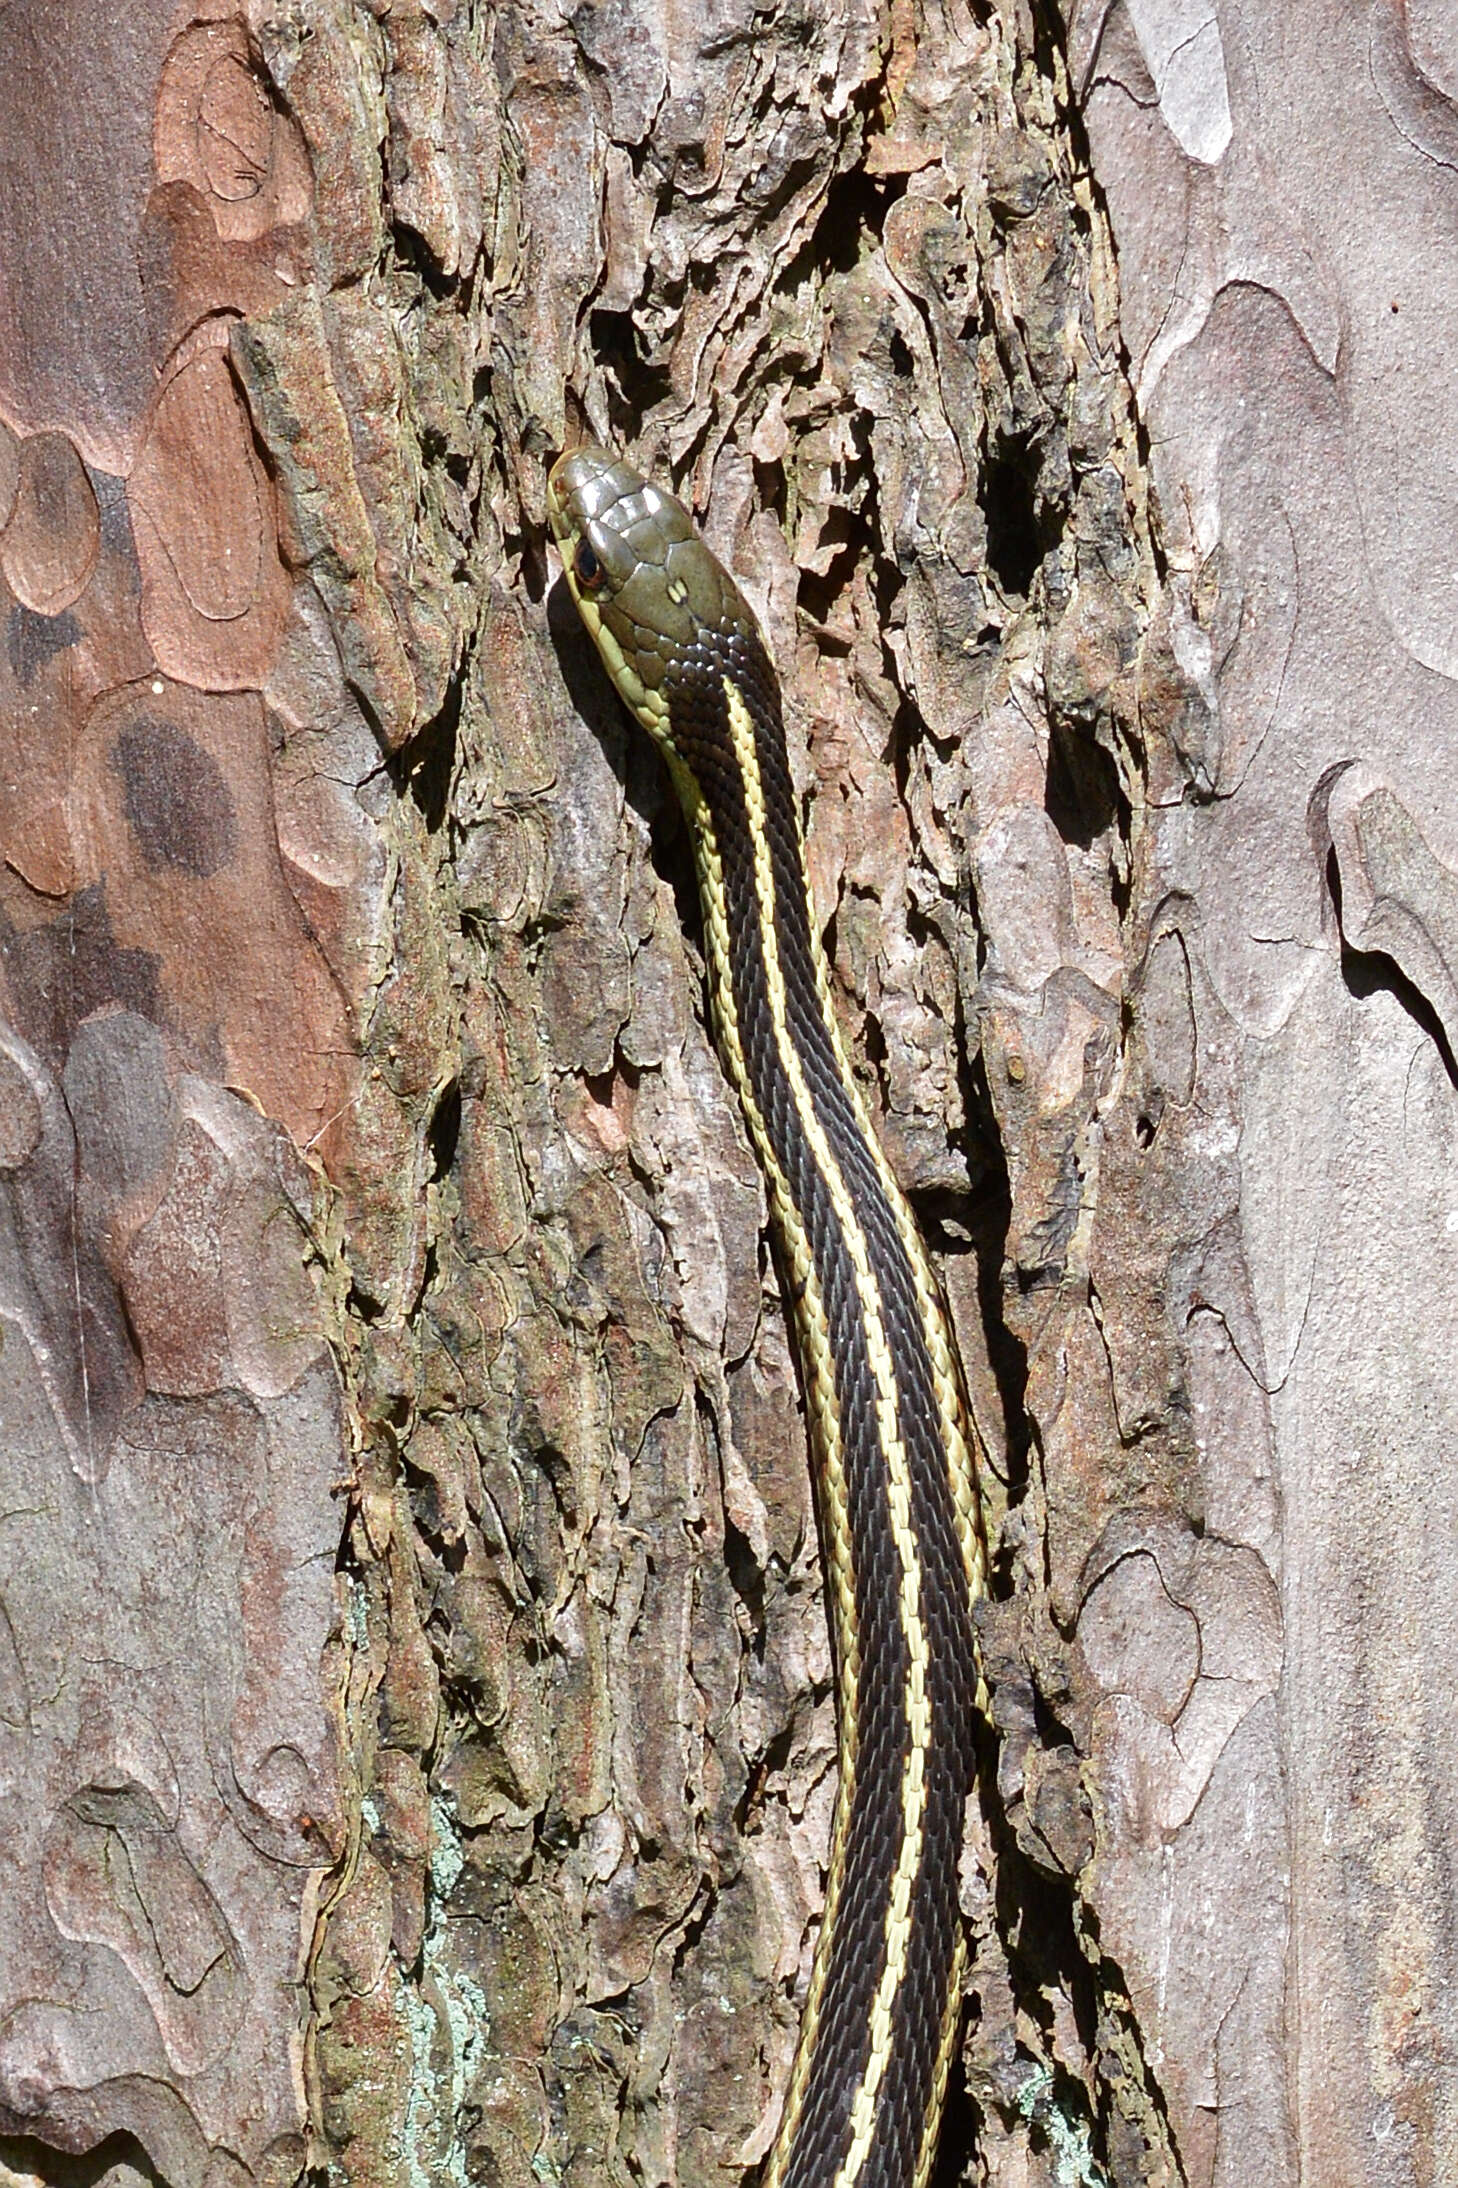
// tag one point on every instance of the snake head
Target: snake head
(653, 598)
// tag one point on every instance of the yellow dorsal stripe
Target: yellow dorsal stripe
(878, 1352)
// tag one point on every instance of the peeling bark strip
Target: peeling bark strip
(415, 1716)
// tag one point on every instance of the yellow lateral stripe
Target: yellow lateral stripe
(918, 1712)
(825, 1410)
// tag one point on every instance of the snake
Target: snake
(897, 1456)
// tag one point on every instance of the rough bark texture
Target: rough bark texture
(416, 1737)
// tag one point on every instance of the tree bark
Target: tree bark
(416, 1726)
(1277, 183)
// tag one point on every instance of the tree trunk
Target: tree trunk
(416, 1726)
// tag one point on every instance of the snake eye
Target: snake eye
(590, 572)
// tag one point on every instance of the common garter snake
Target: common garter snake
(896, 1449)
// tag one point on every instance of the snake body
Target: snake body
(897, 1454)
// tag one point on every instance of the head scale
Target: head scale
(653, 597)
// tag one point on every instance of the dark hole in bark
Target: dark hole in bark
(426, 766)
(1015, 545)
(444, 1131)
(636, 384)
